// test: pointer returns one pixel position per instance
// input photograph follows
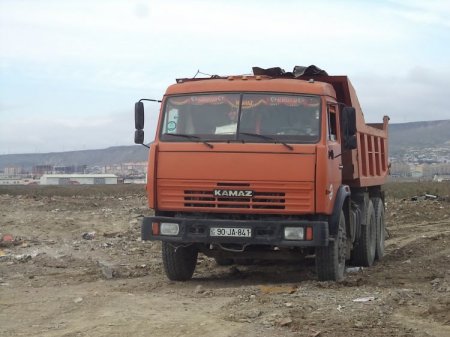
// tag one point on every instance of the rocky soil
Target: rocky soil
(72, 264)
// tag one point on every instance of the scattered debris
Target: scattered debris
(426, 196)
(284, 321)
(88, 235)
(7, 240)
(354, 269)
(112, 234)
(199, 289)
(315, 333)
(23, 257)
(106, 269)
(78, 300)
(364, 299)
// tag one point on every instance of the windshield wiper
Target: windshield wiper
(190, 137)
(267, 138)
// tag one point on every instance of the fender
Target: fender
(333, 220)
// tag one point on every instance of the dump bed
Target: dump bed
(367, 165)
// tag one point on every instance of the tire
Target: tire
(380, 225)
(330, 260)
(179, 262)
(364, 252)
(223, 262)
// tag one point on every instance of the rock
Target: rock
(199, 289)
(106, 269)
(23, 257)
(78, 300)
(284, 321)
(112, 234)
(358, 324)
(364, 299)
(88, 235)
(435, 282)
(288, 304)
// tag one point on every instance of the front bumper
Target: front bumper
(264, 232)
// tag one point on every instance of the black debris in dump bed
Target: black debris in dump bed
(298, 71)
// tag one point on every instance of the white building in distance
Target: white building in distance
(79, 179)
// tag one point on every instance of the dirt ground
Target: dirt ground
(76, 267)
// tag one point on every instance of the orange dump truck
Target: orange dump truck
(270, 166)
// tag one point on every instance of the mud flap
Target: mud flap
(333, 220)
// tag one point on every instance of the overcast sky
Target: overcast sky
(70, 71)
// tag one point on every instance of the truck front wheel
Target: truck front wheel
(179, 261)
(330, 260)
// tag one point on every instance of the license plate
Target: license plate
(233, 232)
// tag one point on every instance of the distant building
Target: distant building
(12, 171)
(441, 178)
(138, 180)
(70, 169)
(42, 169)
(18, 181)
(78, 179)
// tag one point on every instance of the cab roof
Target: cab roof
(251, 84)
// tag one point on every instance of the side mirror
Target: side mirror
(139, 137)
(350, 143)
(349, 120)
(139, 116)
(348, 128)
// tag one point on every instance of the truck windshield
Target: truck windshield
(241, 116)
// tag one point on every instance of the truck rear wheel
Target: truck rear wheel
(179, 262)
(330, 260)
(379, 219)
(364, 252)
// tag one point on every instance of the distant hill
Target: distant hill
(418, 135)
(402, 137)
(111, 155)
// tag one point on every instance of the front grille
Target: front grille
(260, 200)
(268, 197)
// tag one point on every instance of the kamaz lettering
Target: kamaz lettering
(233, 193)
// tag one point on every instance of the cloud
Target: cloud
(34, 134)
(76, 67)
(430, 12)
(420, 94)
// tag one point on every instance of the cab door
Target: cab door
(334, 161)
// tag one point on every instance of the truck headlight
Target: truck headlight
(294, 233)
(168, 228)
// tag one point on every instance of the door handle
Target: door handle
(341, 166)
